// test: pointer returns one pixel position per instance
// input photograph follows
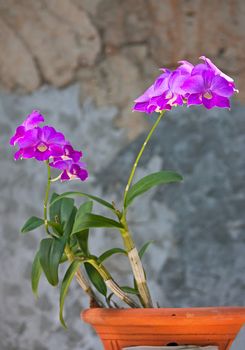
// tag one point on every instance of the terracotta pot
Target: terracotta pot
(190, 326)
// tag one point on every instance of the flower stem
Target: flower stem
(45, 203)
(133, 255)
(131, 176)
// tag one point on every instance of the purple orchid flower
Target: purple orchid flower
(70, 152)
(171, 86)
(185, 67)
(216, 70)
(201, 84)
(47, 144)
(145, 102)
(32, 121)
(208, 89)
(70, 169)
(41, 143)
(163, 94)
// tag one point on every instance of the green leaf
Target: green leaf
(56, 227)
(82, 239)
(66, 209)
(50, 254)
(108, 300)
(60, 213)
(69, 224)
(36, 274)
(144, 248)
(92, 220)
(149, 181)
(82, 194)
(129, 290)
(65, 286)
(82, 236)
(110, 252)
(96, 278)
(31, 224)
(54, 209)
(63, 258)
(84, 209)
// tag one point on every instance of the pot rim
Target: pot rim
(156, 316)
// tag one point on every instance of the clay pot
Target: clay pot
(119, 328)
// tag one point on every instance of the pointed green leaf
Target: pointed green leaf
(92, 220)
(54, 209)
(96, 279)
(50, 254)
(36, 274)
(144, 248)
(149, 181)
(66, 209)
(82, 239)
(82, 194)
(111, 252)
(69, 224)
(108, 300)
(31, 224)
(82, 236)
(65, 286)
(60, 213)
(57, 228)
(84, 209)
(129, 290)
(63, 258)
(54, 215)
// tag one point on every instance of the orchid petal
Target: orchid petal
(64, 176)
(221, 87)
(209, 102)
(20, 132)
(33, 119)
(194, 99)
(194, 84)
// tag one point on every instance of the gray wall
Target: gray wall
(84, 79)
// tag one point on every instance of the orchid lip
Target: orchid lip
(208, 95)
(42, 147)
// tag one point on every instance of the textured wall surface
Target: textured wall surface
(198, 225)
(82, 62)
(57, 41)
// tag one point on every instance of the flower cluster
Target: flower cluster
(47, 144)
(202, 84)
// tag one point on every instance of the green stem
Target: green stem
(45, 203)
(111, 284)
(133, 254)
(131, 176)
(137, 267)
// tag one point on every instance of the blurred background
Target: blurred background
(82, 63)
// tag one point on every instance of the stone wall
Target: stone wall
(82, 62)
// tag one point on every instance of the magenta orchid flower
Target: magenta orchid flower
(70, 170)
(69, 152)
(70, 164)
(208, 89)
(201, 84)
(32, 121)
(163, 94)
(41, 144)
(47, 144)
(216, 70)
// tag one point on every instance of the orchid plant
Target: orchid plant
(67, 226)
